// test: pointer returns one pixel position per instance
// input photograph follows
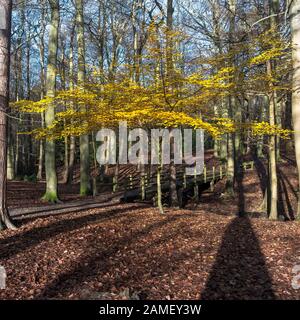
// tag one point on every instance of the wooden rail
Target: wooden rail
(146, 183)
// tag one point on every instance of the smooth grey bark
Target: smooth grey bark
(295, 30)
(5, 35)
(174, 202)
(10, 153)
(158, 180)
(85, 185)
(273, 181)
(229, 187)
(43, 84)
(231, 137)
(71, 87)
(50, 167)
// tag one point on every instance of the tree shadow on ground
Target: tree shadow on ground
(240, 271)
(261, 172)
(89, 267)
(284, 204)
(17, 243)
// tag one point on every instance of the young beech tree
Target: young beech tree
(232, 105)
(85, 187)
(295, 28)
(5, 34)
(170, 71)
(273, 181)
(71, 87)
(51, 177)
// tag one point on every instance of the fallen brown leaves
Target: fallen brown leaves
(103, 252)
(122, 251)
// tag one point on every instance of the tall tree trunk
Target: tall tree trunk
(63, 86)
(50, 167)
(262, 116)
(170, 70)
(19, 164)
(274, 10)
(5, 30)
(273, 214)
(158, 178)
(289, 145)
(10, 153)
(229, 188)
(42, 63)
(28, 146)
(85, 187)
(295, 23)
(273, 183)
(71, 87)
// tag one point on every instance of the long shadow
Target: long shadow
(45, 212)
(289, 160)
(287, 181)
(241, 196)
(89, 267)
(284, 199)
(261, 172)
(17, 243)
(240, 271)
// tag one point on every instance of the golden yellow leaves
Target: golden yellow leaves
(29, 106)
(170, 99)
(262, 128)
(267, 55)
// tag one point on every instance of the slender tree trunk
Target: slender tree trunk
(66, 160)
(229, 187)
(273, 214)
(158, 180)
(85, 187)
(71, 159)
(273, 183)
(28, 152)
(289, 145)
(295, 23)
(63, 85)
(262, 117)
(5, 30)
(42, 63)
(231, 140)
(223, 142)
(279, 125)
(71, 87)
(10, 154)
(50, 167)
(170, 72)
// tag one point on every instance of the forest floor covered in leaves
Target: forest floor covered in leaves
(122, 251)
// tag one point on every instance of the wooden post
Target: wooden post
(196, 190)
(221, 172)
(204, 174)
(143, 189)
(94, 182)
(184, 179)
(213, 179)
(126, 188)
(115, 184)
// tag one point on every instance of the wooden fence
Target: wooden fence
(144, 184)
